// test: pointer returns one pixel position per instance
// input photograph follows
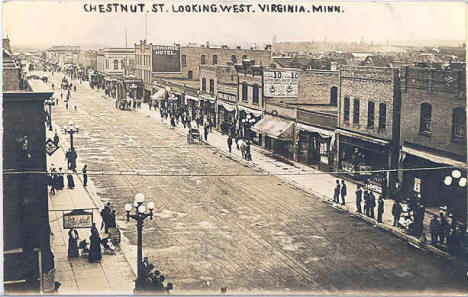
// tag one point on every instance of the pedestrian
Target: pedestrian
(444, 228)
(237, 140)
(149, 105)
(66, 105)
(112, 222)
(366, 202)
(70, 181)
(229, 143)
(60, 184)
(343, 192)
(85, 175)
(336, 195)
(95, 255)
(56, 139)
(73, 244)
(434, 228)
(173, 124)
(248, 156)
(358, 199)
(53, 87)
(380, 209)
(206, 132)
(61, 95)
(396, 212)
(75, 107)
(74, 89)
(371, 204)
(105, 215)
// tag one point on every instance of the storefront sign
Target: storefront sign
(417, 185)
(78, 218)
(166, 59)
(374, 188)
(280, 83)
(227, 96)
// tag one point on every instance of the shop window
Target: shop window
(203, 84)
(244, 92)
(211, 86)
(184, 60)
(370, 114)
(426, 118)
(190, 74)
(356, 111)
(346, 109)
(459, 123)
(234, 59)
(255, 94)
(215, 59)
(203, 60)
(382, 116)
(244, 57)
(334, 96)
(116, 64)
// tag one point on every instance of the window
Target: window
(215, 59)
(116, 64)
(244, 57)
(346, 110)
(211, 86)
(459, 123)
(190, 74)
(184, 60)
(203, 60)
(255, 94)
(122, 64)
(382, 116)
(234, 59)
(370, 114)
(203, 84)
(334, 96)
(356, 111)
(426, 117)
(244, 91)
(107, 64)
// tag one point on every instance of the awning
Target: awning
(159, 95)
(256, 113)
(324, 133)
(432, 157)
(362, 137)
(227, 106)
(275, 127)
(206, 98)
(188, 97)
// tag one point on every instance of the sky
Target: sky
(66, 22)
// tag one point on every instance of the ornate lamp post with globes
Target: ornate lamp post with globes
(139, 216)
(456, 184)
(248, 123)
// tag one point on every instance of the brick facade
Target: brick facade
(143, 65)
(251, 78)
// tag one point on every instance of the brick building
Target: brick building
(368, 130)
(433, 133)
(26, 231)
(143, 66)
(64, 54)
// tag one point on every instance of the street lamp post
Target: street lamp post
(139, 216)
(248, 123)
(71, 129)
(455, 181)
(49, 102)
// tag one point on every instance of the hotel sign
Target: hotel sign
(280, 83)
(166, 59)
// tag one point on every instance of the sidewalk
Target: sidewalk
(310, 180)
(113, 275)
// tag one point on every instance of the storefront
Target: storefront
(227, 116)
(314, 146)
(158, 96)
(193, 105)
(248, 113)
(277, 135)
(208, 107)
(361, 156)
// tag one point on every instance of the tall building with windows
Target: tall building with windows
(433, 134)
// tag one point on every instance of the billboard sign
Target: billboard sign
(78, 218)
(280, 83)
(166, 59)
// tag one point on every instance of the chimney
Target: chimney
(268, 47)
(207, 44)
(238, 47)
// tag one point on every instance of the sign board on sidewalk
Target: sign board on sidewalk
(280, 83)
(78, 218)
(166, 59)
(51, 147)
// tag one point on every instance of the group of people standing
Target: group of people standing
(94, 250)
(108, 218)
(241, 145)
(451, 235)
(55, 180)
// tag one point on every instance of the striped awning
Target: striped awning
(275, 127)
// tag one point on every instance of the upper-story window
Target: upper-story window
(116, 64)
(215, 59)
(346, 110)
(356, 106)
(184, 60)
(370, 114)
(255, 94)
(244, 91)
(211, 86)
(234, 59)
(382, 116)
(459, 123)
(334, 96)
(190, 74)
(107, 64)
(203, 84)
(426, 118)
(203, 60)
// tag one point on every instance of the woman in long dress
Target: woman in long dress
(70, 182)
(94, 247)
(60, 183)
(73, 243)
